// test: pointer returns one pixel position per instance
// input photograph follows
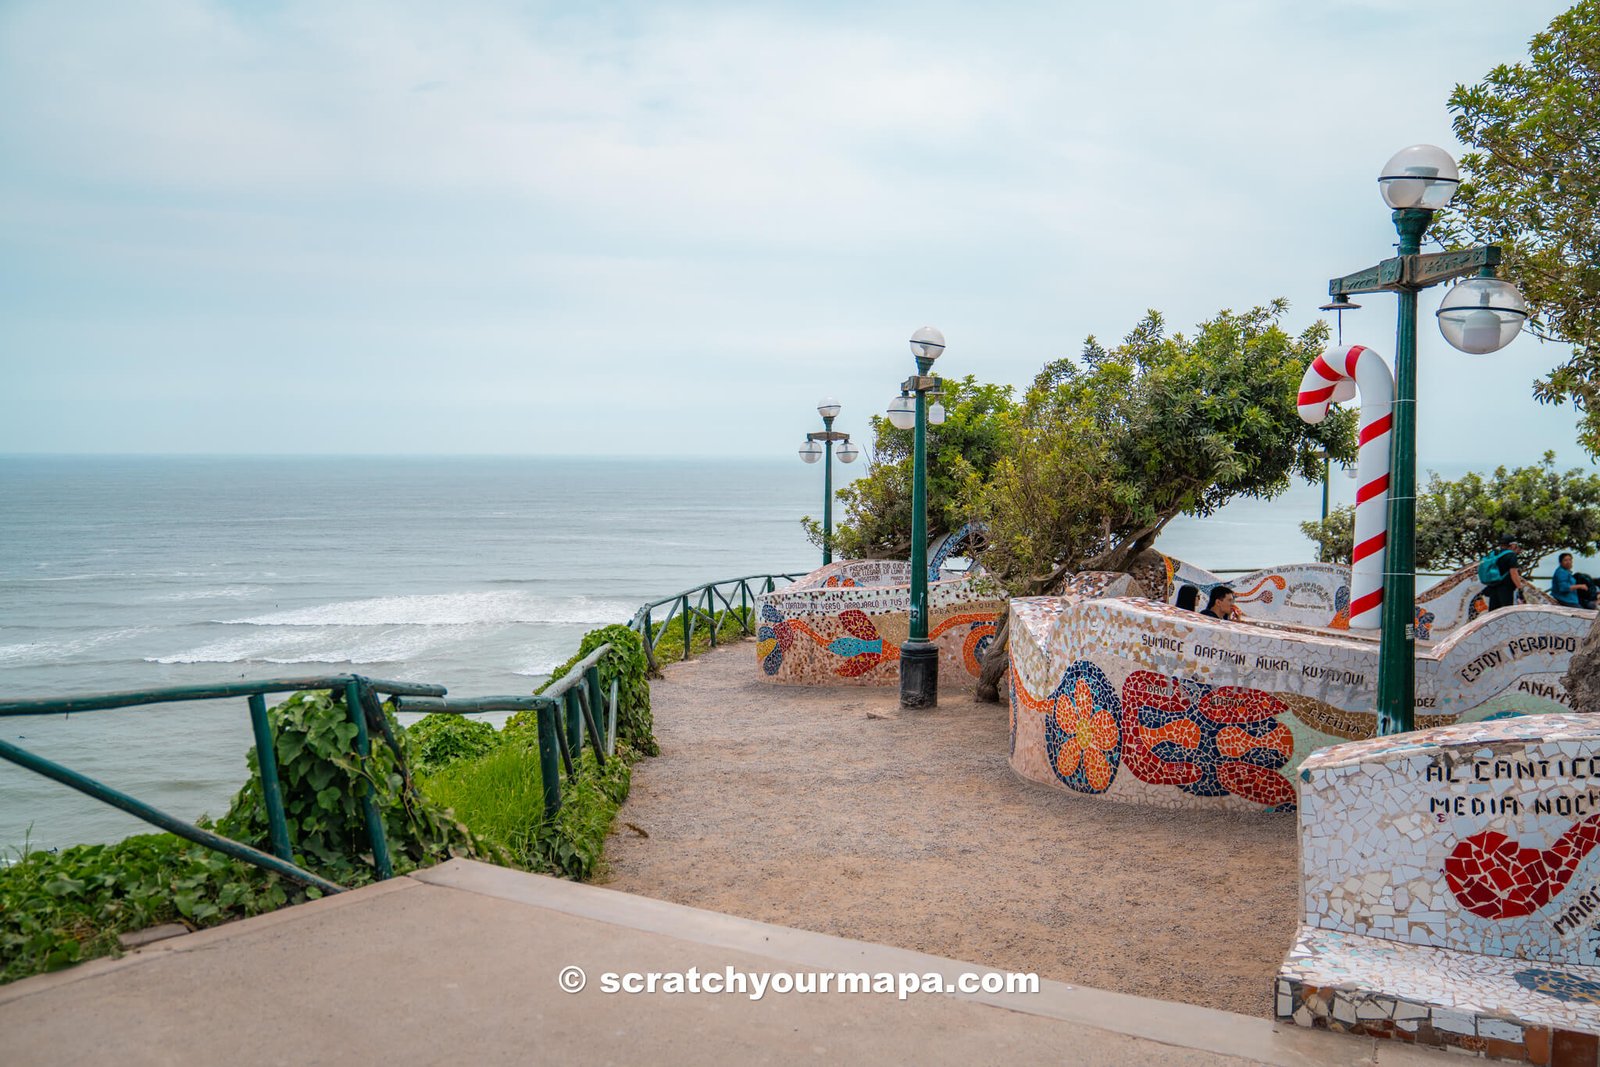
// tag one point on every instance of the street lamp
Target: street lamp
(816, 445)
(1478, 316)
(919, 657)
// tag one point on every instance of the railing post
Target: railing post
(688, 626)
(649, 636)
(711, 615)
(611, 720)
(549, 757)
(369, 804)
(574, 723)
(271, 789)
(592, 677)
(591, 724)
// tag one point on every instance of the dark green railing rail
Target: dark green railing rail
(360, 697)
(698, 605)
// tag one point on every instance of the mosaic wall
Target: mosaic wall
(1144, 702)
(843, 625)
(1452, 888)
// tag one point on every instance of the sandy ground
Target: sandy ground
(835, 811)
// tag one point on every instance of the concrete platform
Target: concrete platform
(460, 964)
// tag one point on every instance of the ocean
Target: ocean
(478, 573)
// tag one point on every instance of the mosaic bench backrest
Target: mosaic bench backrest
(1478, 838)
(1318, 595)
(829, 629)
(1141, 701)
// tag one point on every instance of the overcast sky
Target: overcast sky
(618, 227)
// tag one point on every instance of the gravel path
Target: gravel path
(833, 810)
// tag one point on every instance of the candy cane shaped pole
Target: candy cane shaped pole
(1335, 376)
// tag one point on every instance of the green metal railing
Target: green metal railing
(360, 698)
(568, 713)
(697, 605)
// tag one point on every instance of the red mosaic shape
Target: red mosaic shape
(1495, 877)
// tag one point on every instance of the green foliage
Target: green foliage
(1528, 184)
(323, 780)
(58, 909)
(1335, 536)
(573, 843)
(436, 741)
(498, 794)
(625, 663)
(1545, 510)
(1106, 450)
(877, 506)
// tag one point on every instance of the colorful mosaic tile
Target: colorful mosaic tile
(1221, 714)
(844, 623)
(1451, 886)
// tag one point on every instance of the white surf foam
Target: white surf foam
(500, 607)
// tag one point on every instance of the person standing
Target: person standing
(1565, 587)
(1501, 574)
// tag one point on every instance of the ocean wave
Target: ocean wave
(450, 609)
(318, 646)
(38, 653)
(230, 592)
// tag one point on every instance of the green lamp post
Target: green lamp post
(816, 445)
(919, 657)
(1479, 315)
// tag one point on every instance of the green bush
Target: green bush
(59, 908)
(436, 741)
(626, 664)
(573, 843)
(323, 782)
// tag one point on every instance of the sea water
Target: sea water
(480, 574)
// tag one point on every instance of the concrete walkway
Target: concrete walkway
(460, 964)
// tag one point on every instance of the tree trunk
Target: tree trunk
(1582, 680)
(995, 661)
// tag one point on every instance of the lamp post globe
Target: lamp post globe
(935, 414)
(919, 657)
(1481, 315)
(848, 452)
(1421, 176)
(927, 343)
(811, 451)
(828, 408)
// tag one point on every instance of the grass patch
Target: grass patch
(499, 795)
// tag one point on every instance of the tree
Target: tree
(1108, 450)
(1544, 510)
(1461, 521)
(1529, 184)
(877, 506)
(1335, 536)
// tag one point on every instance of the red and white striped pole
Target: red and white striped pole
(1333, 377)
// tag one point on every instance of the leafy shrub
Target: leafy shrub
(57, 909)
(436, 741)
(322, 778)
(626, 664)
(573, 843)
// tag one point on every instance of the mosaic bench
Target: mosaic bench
(1130, 699)
(843, 624)
(1451, 889)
